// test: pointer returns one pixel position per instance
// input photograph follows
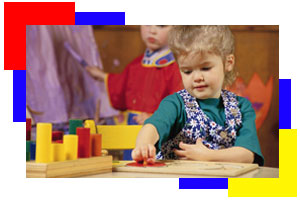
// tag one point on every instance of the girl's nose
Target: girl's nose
(198, 76)
(152, 29)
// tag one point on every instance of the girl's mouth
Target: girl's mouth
(151, 40)
(200, 88)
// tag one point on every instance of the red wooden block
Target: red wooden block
(84, 142)
(57, 135)
(28, 129)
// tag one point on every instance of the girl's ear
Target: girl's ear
(229, 63)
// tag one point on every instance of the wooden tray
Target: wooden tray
(70, 168)
(191, 167)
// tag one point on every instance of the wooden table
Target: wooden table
(261, 172)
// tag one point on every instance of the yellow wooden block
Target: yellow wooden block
(71, 146)
(58, 152)
(43, 142)
(90, 124)
(118, 136)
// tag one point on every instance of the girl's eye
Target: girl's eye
(161, 26)
(187, 72)
(206, 68)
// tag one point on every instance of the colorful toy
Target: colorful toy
(84, 142)
(91, 125)
(145, 164)
(71, 146)
(96, 140)
(28, 129)
(118, 137)
(58, 152)
(32, 150)
(73, 124)
(53, 159)
(28, 150)
(57, 135)
(43, 142)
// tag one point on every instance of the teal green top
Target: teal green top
(170, 118)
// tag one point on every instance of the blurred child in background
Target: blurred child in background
(149, 78)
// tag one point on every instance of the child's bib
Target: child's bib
(159, 58)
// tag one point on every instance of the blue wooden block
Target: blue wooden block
(32, 150)
(127, 154)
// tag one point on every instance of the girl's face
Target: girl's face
(155, 36)
(203, 75)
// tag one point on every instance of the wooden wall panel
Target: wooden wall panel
(118, 46)
(257, 51)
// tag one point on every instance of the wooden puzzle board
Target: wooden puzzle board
(70, 168)
(191, 167)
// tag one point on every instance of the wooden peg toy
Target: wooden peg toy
(73, 124)
(96, 140)
(43, 142)
(84, 142)
(91, 125)
(28, 129)
(57, 135)
(71, 147)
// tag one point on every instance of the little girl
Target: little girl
(203, 121)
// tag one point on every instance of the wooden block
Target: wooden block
(91, 125)
(191, 167)
(58, 152)
(84, 142)
(43, 142)
(32, 150)
(70, 168)
(118, 136)
(73, 124)
(28, 129)
(57, 135)
(71, 146)
(96, 142)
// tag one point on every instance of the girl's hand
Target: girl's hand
(144, 152)
(95, 72)
(196, 151)
(140, 118)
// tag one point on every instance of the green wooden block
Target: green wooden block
(28, 146)
(73, 124)
(27, 156)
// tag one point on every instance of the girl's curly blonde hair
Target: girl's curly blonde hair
(194, 39)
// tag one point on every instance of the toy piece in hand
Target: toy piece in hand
(142, 164)
(75, 55)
